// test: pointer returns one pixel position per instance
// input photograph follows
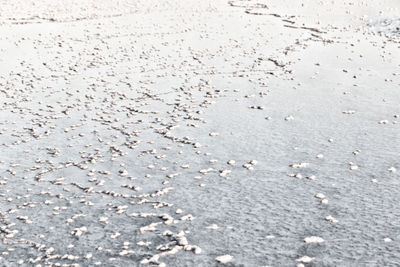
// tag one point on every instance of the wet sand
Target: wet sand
(199, 133)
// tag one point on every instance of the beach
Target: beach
(199, 133)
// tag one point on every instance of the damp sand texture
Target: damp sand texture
(199, 133)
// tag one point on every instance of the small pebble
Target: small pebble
(224, 259)
(314, 239)
(331, 219)
(305, 259)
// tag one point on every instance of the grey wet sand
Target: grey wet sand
(199, 133)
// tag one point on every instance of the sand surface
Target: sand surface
(199, 133)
